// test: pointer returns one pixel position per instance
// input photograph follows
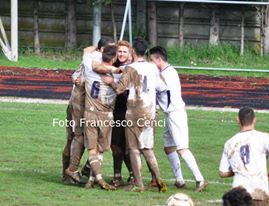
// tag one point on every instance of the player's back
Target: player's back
(142, 89)
(247, 156)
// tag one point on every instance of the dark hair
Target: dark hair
(140, 46)
(109, 53)
(104, 41)
(246, 116)
(238, 196)
(159, 51)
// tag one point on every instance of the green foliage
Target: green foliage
(31, 149)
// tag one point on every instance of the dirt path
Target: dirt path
(197, 90)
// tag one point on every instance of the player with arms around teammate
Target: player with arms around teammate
(176, 135)
(244, 158)
(74, 147)
(99, 104)
(142, 79)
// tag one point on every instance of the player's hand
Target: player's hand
(107, 79)
(78, 82)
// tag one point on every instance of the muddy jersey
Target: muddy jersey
(99, 96)
(245, 155)
(142, 79)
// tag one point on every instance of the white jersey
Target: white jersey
(143, 80)
(171, 78)
(99, 96)
(245, 155)
(150, 82)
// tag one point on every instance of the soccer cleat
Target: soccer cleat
(74, 175)
(136, 188)
(89, 184)
(68, 181)
(104, 185)
(201, 185)
(161, 185)
(180, 184)
(153, 183)
(117, 182)
(131, 180)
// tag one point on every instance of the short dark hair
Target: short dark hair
(238, 196)
(140, 46)
(109, 52)
(246, 116)
(159, 51)
(104, 41)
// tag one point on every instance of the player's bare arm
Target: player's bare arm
(104, 69)
(123, 83)
(226, 174)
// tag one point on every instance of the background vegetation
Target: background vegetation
(224, 56)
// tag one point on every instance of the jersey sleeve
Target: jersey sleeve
(224, 162)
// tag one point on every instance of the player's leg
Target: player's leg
(117, 155)
(170, 143)
(181, 129)
(67, 148)
(153, 165)
(77, 146)
(136, 167)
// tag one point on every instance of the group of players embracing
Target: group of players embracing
(116, 83)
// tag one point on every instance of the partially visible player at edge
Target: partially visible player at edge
(176, 134)
(244, 158)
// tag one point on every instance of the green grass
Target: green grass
(31, 148)
(223, 56)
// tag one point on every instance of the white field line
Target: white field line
(60, 101)
(9, 169)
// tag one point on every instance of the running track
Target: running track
(197, 90)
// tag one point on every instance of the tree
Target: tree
(152, 23)
(141, 17)
(97, 18)
(214, 25)
(181, 25)
(36, 28)
(70, 25)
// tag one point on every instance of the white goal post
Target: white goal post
(11, 52)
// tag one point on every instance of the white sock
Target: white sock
(175, 164)
(191, 162)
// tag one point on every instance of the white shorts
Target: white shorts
(176, 132)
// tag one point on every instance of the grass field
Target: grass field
(31, 148)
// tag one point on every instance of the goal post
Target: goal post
(11, 52)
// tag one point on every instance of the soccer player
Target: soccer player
(142, 79)
(176, 135)
(74, 147)
(99, 105)
(118, 142)
(244, 158)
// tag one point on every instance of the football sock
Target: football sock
(176, 166)
(136, 165)
(96, 166)
(126, 159)
(191, 162)
(117, 159)
(77, 149)
(152, 162)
